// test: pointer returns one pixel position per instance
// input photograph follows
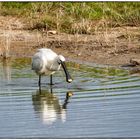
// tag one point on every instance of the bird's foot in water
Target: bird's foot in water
(50, 84)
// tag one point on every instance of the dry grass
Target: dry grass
(104, 24)
(74, 17)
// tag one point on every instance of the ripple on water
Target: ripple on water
(104, 102)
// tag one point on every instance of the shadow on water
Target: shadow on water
(48, 107)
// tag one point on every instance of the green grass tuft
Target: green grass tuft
(74, 17)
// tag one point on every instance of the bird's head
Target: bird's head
(61, 59)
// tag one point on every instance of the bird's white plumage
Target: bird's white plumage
(45, 61)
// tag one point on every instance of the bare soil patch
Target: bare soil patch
(114, 46)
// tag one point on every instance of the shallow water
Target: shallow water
(105, 103)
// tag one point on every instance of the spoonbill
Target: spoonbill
(47, 62)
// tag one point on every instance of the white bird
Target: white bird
(47, 62)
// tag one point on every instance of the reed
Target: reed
(6, 43)
(6, 46)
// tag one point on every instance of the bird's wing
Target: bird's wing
(37, 63)
(53, 65)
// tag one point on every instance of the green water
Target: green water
(105, 102)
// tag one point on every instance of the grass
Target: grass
(74, 17)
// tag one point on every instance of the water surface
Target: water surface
(105, 103)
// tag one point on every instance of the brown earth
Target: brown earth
(115, 46)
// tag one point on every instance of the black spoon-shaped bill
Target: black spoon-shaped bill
(68, 77)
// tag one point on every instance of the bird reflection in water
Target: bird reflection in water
(48, 106)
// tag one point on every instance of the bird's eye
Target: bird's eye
(59, 61)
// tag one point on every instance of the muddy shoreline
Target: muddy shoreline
(113, 46)
(89, 50)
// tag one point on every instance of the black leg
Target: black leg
(51, 82)
(51, 89)
(39, 82)
(40, 90)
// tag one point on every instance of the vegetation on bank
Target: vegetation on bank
(74, 17)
